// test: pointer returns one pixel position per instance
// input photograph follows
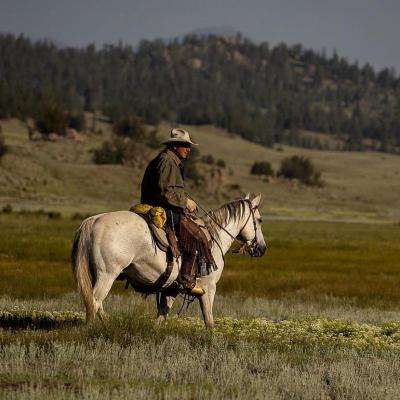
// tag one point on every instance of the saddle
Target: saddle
(194, 239)
(164, 236)
(160, 236)
(165, 239)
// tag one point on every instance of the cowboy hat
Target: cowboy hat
(179, 136)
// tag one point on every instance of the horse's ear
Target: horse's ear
(256, 201)
(247, 197)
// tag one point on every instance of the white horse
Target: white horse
(107, 244)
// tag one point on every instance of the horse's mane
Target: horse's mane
(221, 216)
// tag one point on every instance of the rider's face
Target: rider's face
(183, 151)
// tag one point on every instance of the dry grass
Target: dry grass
(358, 186)
(61, 176)
(178, 368)
(129, 357)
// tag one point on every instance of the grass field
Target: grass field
(61, 176)
(128, 357)
(317, 318)
(306, 259)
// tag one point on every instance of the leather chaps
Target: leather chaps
(195, 249)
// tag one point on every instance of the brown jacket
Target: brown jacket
(163, 182)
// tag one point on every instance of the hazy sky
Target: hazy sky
(367, 30)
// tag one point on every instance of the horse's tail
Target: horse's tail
(82, 269)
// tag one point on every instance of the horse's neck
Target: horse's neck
(233, 228)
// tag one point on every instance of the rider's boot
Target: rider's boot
(197, 290)
(187, 276)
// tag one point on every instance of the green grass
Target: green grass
(313, 259)
(309, 260)
(276, 335)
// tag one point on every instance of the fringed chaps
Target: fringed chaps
(195, 247)
(193, 240)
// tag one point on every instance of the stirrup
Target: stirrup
(197, 289)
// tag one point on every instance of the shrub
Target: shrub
(110, 152)
(51, 118)
(301, 168)
(76, 121)
(221, 163)
(192, 172)
(191, 169)
(235, 186)
(54, 215)
(3, 147)
(262, 168)
(130, 126)
(79, 216)
(133, 152)
(38, 213)
(119, 151)
(208, 159)
(7, 209)
(153, 140)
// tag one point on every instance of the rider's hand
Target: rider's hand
(191, 205)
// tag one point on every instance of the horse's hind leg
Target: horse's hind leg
(100, 292)
(102, 314)
(164, 306)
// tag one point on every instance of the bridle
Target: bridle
(253, 243)
(246, 247)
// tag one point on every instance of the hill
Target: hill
(265, 94)
(61, 176)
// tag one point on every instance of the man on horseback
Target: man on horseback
(163, 186)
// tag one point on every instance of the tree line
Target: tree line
(266, 94)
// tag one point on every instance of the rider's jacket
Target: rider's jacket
(163, 182)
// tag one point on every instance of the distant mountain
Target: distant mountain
(221, 31)
(266, 94)
(204, 33)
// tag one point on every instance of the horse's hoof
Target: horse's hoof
(104, 317)
(159, 321)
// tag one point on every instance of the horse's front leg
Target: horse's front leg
(207, 302)
(164, 306)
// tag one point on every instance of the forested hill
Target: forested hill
(266, 94)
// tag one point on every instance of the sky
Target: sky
(363, 30)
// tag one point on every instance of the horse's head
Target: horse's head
(251, 232)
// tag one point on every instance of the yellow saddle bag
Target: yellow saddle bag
(157, 215)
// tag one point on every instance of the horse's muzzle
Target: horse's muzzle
(258, 250)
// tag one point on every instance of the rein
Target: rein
(243, 247)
